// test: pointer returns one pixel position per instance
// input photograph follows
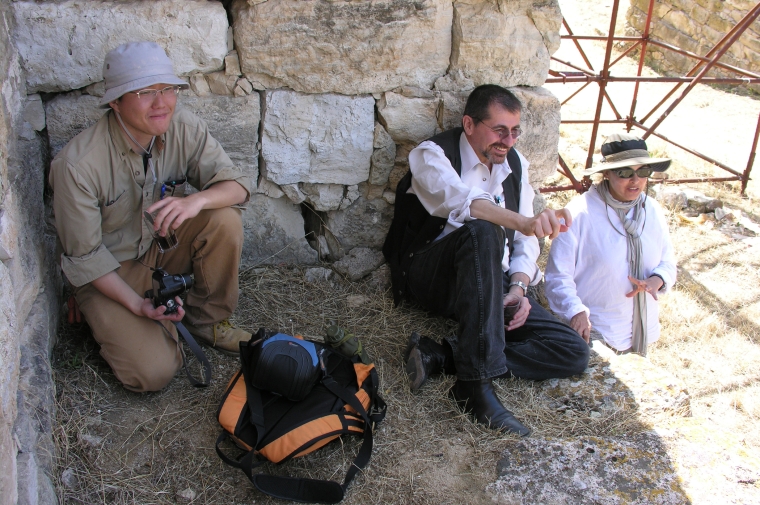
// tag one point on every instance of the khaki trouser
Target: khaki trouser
(143, 353)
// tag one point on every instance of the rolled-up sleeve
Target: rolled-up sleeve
(667, 268)
(437, 185)
(78, 223)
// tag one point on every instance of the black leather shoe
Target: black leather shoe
(479, 399)
(424, 358)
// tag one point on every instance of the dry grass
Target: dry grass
(128, 448)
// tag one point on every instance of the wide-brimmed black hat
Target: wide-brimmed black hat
(625, 150)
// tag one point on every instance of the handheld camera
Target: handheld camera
(166, 287)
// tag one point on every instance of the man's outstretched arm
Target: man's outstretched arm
(546, 224)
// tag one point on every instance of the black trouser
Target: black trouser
(460, 276)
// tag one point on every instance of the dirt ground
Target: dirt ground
(118, 447)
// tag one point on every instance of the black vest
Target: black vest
(413, 227)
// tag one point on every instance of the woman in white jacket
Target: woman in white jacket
(608, 269)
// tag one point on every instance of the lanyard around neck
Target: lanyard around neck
(146, 154)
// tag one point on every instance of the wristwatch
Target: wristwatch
(521, 284)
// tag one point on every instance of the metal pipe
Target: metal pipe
(751, 161)
(642, 55)
(576, 92)
(697, 179)
(603, 83)
(586, 72)
(704, 80)
(556, 189)
(692, 151)
(684, 52)
(569, 174)
(675, 49)
(591, 121)
(577, 44)
(612, 105)
(625, 53)
(600, 37)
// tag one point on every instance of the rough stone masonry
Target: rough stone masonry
(319, 101)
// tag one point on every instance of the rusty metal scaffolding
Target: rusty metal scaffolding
(695, 76)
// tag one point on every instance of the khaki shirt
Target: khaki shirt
(100, 189)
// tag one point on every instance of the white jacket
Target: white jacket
(588, 268)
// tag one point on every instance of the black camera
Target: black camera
(166, 287)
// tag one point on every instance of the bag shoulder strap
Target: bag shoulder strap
(199, 354)
(327, 491)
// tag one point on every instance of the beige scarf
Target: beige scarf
(633, 228)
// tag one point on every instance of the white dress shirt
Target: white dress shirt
(443, 193)
(588, 268)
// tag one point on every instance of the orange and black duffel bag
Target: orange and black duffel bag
(268, 426)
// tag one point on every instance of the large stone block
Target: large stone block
(36, 402)
(383, 157)
(69, 114)
(505, 42)
(680, 21)
(408, 120)
(343, 46)
(9, 370)
(24, 207)
(234, 122)
(274, 233)
(323, 196)
(540, 124)
(323, 139)
(452, 108)
(364, 224)
(560, 471)
(62, 44)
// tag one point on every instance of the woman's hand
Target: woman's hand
(651, 286)
(580, 323)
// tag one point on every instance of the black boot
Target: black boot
(479, 399)
(424, 358)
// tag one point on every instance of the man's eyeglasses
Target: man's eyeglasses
(503, 132)
(627, 173)
(151, 93)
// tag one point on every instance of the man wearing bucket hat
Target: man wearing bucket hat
(139, 157)
(463, 245)
(606, 273)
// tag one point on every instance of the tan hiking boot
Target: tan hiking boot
(222, 336)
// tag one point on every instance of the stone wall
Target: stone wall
(696, 26)
(28, 291)
(319, 101)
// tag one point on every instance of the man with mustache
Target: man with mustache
(463, 244)
(137, 158)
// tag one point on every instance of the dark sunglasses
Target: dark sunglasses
(627, 173)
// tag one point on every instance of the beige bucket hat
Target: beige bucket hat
(134, 66)
(626, 150)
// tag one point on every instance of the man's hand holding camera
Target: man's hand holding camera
(147, 309)
(163, 301)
